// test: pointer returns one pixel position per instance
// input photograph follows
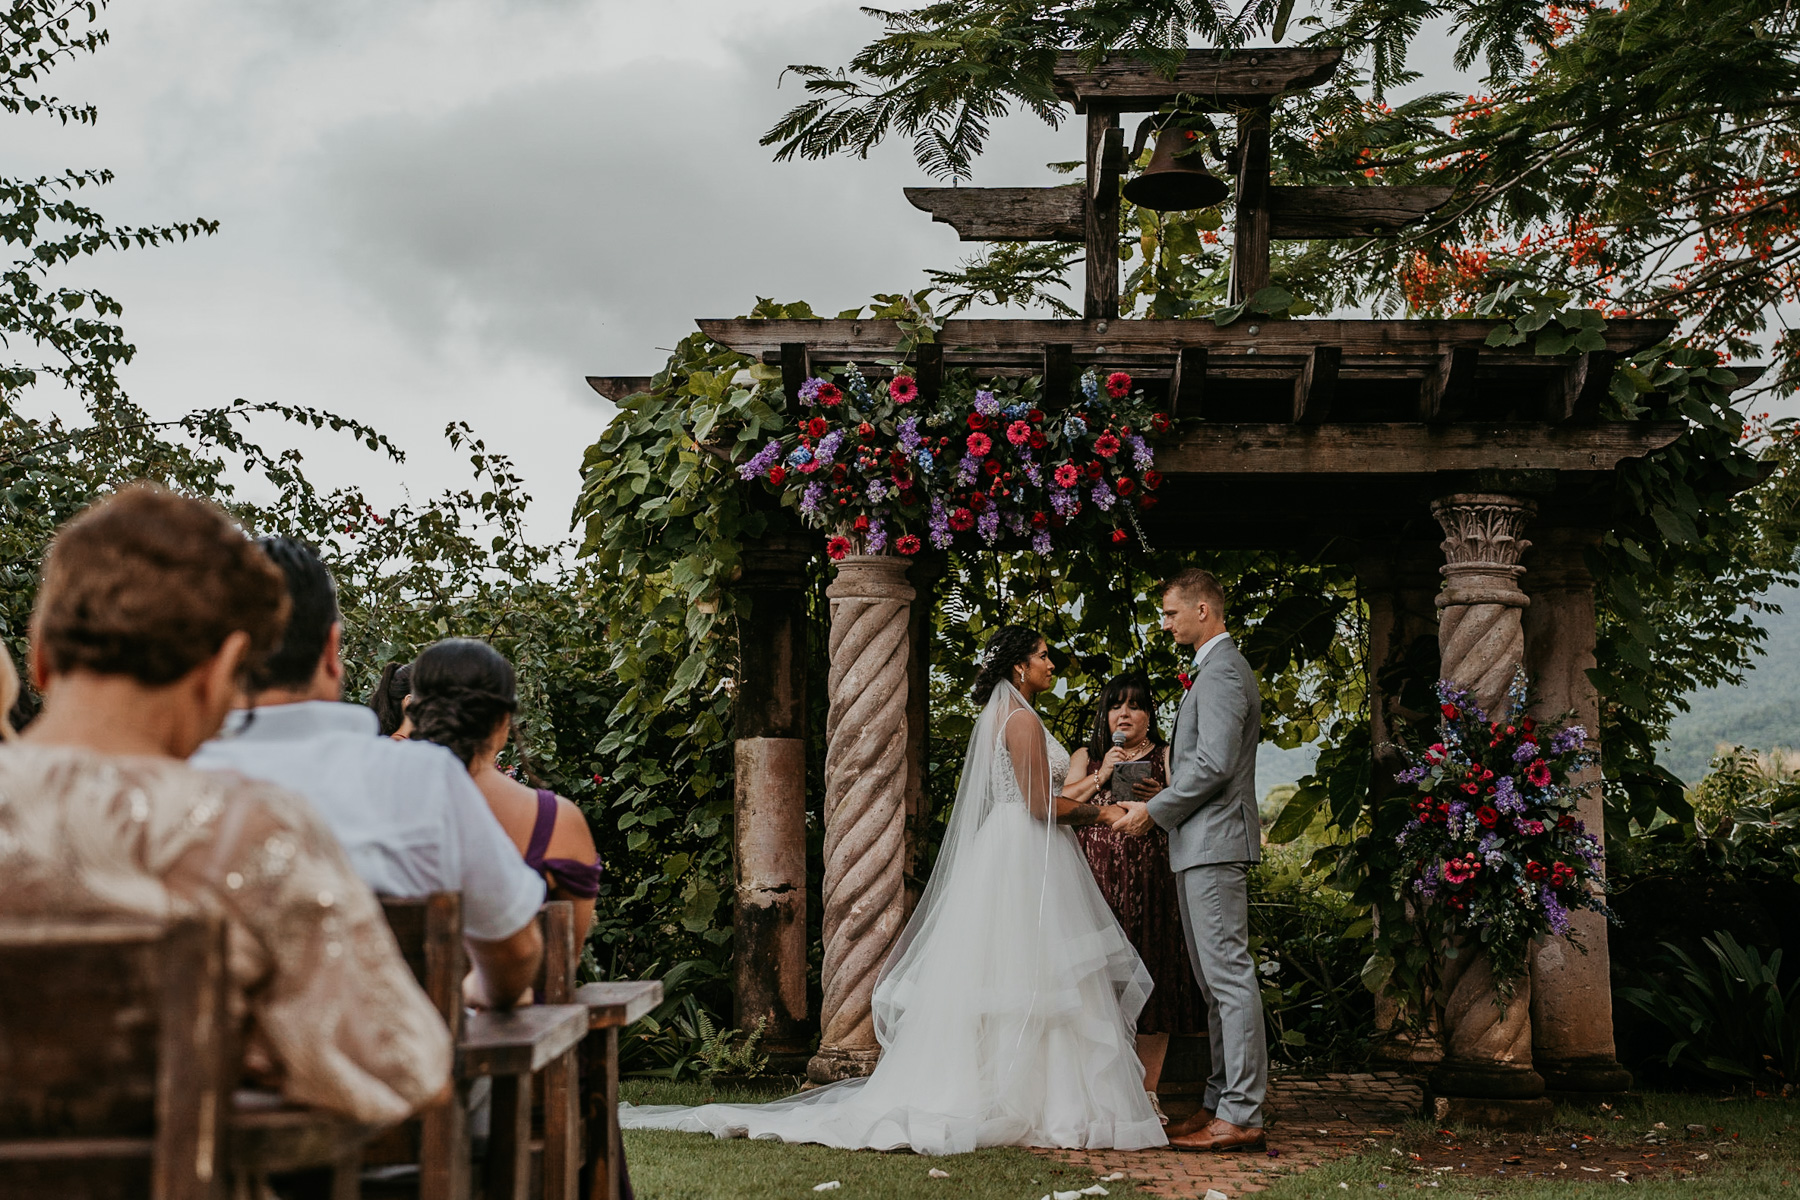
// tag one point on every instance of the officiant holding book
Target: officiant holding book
(1126, 758)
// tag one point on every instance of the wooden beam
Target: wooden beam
(1005, 214)
(1250, 236)
(928, 371)
(1059, 374)
(865, 338)
(1575, 393)
(617, 387)
(1409, 448)
(1339, 212)
(1100, 218)
(796, 368)
(1220, 80)
(1187, 386)
(1317, 386)
(1447, 391)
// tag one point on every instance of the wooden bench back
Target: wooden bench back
(117, 1059)
(429, 932)
(556, 978)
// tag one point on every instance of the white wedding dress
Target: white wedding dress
(1007, 1008)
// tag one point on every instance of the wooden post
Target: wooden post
(1571, 992)
(1250, 237)
(769, 961)
(1100, 213)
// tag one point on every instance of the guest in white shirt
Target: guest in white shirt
(407, 814)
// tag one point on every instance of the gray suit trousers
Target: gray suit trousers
(1215, 914)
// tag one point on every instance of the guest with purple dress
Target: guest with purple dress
(464, 695)
(1133, 872)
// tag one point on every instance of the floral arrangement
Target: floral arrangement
(987, 465)
(1494, 855)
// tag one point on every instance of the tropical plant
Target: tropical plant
(1735, 1019)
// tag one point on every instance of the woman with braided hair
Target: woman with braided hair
(1006, 1011)
(464, 695)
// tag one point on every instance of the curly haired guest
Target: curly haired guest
(151, 609)
(464, 695)
(406, 814)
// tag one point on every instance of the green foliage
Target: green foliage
(1310, 942)
(1734, 1019)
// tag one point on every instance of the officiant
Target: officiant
(1133, 872)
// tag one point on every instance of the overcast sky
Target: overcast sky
(456, 209)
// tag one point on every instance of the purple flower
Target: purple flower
(909, 434)
(1102, 496)
(1506, 796)
(1557, 915)
(938, 524)
(1062, 503)
(988, 524)
(759, 465)
(1040, 541)
(877, 492)
(811, 499)
(1568, 740)
(809, 392)
(968, 470)
(1142, 457)
(1525, 753)
(986, 403)
(1414, 774)
(875, 541)
(1015, 524)
(828, 446)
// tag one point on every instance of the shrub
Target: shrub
(1733, 1019)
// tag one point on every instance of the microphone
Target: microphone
(1118, 737)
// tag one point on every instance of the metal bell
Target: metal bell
(1171, 183)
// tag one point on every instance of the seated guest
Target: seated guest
(150, 609)
(464, 695)
(389, 700)
(407, 815)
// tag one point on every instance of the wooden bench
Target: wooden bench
(610, 1008)
(509, 1048)
(118, 1066)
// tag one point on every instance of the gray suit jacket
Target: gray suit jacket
(1209, 807)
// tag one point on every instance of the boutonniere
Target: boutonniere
(1187, 681)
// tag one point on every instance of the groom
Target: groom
(1209, 810)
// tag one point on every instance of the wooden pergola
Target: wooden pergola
(1411, 450)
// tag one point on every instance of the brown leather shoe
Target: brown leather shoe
(1220, 1135)
(1188, 1125)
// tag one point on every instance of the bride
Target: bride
(1007, 1009)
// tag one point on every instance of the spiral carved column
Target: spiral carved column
(1487, 1074)
(865, 809)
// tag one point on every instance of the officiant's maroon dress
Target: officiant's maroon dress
(1134, 876)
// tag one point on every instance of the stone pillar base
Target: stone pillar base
(1484, 1080)
(833, 1063)
(1405, 1049)
(1600, 1075)
(1489, 1114)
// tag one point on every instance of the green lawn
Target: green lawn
(1752, 1150)
(688, 1166)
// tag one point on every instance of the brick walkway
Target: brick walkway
(1310, 1121)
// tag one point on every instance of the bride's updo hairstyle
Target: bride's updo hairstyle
(461, 688)
(1009, 647)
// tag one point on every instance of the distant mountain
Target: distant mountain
(1763, 712)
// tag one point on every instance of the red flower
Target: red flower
(839, 473)
(1118, 385)
(1153, 479)
(1146, 500)
(1106, 445)
(1038, 440)
(907, 544)
(1119, 535)
(1538, 773)
(1487, 815)
(865, 430)
(1039, 520)
(1018, 433)
(1436, 753)
(1095, 470)
(1535, 870)
(1450, 711)
(861, 524)
(978, 500)
(979, 444)
(1472, 789)
(991, 466)
(1125, 486)
(1160, 422)
(903, 389)
(837, 547)
(829, 395)
(1530, 725)
(599, 779)
(962, 520)
(977, 421)
(1035, 416)
(777, 474)
(817, 427)
(1187, 681)
(1067, 475)
(1565, 823)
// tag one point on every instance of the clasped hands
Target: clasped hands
(1132, 817)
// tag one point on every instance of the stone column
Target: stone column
(1398, 585)
(925, 572)
(1571, 992)
(769, 946)
(1487, 1075)
(865, 804)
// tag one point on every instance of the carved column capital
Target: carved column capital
(1482, 547)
